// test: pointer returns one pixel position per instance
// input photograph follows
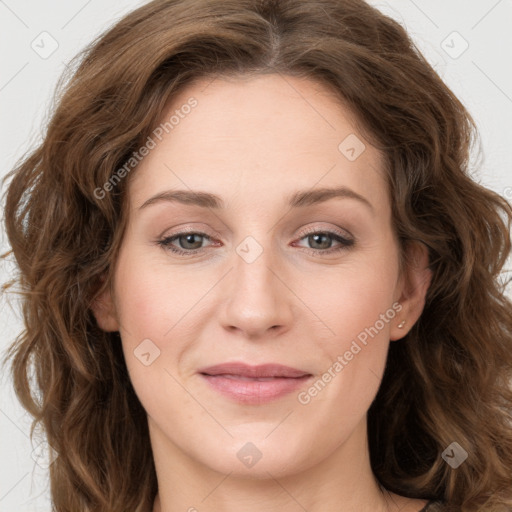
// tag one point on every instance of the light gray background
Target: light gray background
(481, 76)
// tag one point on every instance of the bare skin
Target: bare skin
(301, 302)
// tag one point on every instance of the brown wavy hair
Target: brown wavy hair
(447, 380)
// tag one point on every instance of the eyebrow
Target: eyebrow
(299, 199)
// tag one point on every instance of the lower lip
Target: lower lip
(254, 392)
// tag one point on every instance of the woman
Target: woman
(236, 208)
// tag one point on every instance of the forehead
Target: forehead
(258, 139)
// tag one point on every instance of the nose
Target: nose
(259, 300)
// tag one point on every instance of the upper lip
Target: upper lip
(245, 370)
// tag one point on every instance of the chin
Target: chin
(257, 459)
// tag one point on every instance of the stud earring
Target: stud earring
(401, 325)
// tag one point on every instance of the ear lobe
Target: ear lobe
(415, 283)
(104, 312)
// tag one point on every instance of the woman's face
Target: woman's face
(274, 270)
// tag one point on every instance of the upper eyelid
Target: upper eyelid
(339, 232)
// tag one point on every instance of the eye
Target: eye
(191, 242)
(321, 242)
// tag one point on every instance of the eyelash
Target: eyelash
(165, 243)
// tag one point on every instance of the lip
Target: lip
(254, 385)
(258, 371)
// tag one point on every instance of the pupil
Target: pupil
(316, 237)
(189, 239)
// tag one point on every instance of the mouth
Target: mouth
(254, 385)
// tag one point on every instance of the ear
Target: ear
(413, 286)
(103, 309)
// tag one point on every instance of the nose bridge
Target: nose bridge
(253, 268)
(257, 298)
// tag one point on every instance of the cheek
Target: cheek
(143, 317)
(351, 298)
(157, 307)
(357, 304)
(153, 297)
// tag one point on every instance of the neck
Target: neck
(341, 482)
